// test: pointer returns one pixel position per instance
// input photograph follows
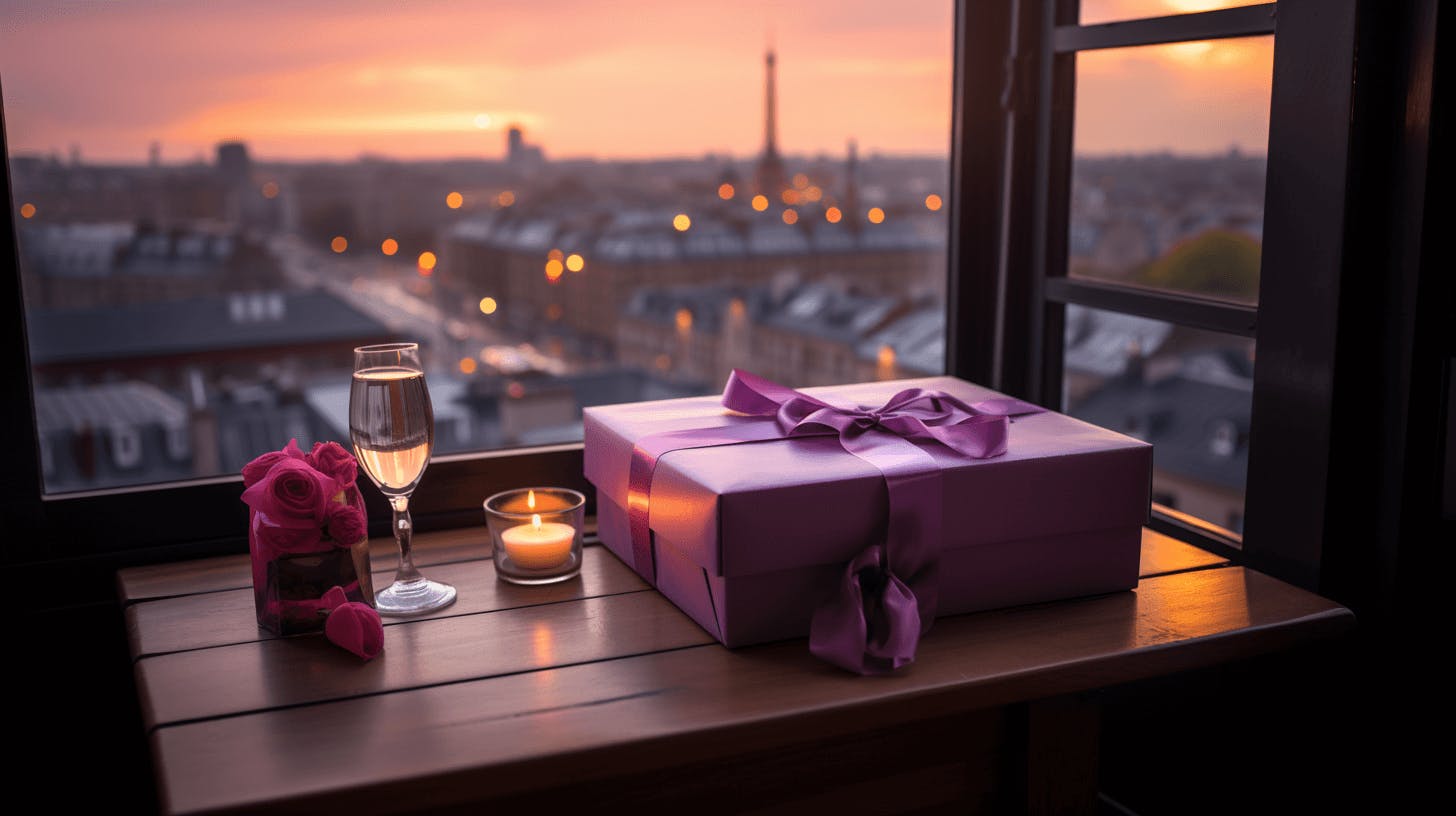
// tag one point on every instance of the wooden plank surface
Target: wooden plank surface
(1162, 554)
(283, 672)
(235, 571)
(529, 729)
(227, 617)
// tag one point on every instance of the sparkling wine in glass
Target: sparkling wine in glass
(392, 426)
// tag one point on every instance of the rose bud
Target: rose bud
(331, 458)
(346, 524)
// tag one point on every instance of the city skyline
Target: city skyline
(447, 80)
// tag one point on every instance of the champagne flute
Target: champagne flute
(392, 426)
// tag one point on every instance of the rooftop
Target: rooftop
(198, 325)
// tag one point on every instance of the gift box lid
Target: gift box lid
(779, 504)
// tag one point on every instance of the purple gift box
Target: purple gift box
(750, 539)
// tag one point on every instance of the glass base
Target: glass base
(536, 580)
(414, 598)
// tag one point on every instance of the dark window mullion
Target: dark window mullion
(1184, 310)
(1245, 21)
(1058, 95)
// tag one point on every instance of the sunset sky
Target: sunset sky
(623, 78)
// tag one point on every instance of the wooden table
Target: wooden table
(598, 692)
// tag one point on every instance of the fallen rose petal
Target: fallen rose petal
(357, 628)
(335, 598)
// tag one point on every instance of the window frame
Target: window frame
(1012, 97)
(1018, 347)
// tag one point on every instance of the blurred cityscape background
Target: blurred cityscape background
(187, 314)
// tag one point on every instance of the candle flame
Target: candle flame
(535, 521)
(531, 499)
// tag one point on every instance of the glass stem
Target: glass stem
(403, 527)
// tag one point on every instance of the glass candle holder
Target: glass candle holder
(535, 534)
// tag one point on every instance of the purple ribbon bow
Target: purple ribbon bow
(887, 598)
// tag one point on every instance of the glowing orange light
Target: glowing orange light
(790, 197)
(886, 357)
(801, 181)
(427, 262)
(270, 189)
(760, 203)
(389, 247)
(454, 201)
(27, 210)
(737, 309)
(531, 500)
(553, 312)
(684, 320)
(506, 198)
(681, 222)
(467, 365)
(725, 191)
(813, 194)
(876, 215)
(791, 216)
(933, 202)
(488, 305)
(575, 263)
(662, 362)
(555, 255)
(516, 390)
(554, 269)
(339, 244)
(832, 215)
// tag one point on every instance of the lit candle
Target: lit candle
(537, 545)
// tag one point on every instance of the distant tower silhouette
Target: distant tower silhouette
(520, 154)
(851, 187)
(233, 163)
(515, 141)
(768, 179)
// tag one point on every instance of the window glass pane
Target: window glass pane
(566, 203)
(1168, 167)
(1103, 11)
(1186, 391)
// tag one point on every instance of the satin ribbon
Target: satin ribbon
(887, 597)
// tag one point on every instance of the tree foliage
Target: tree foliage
(1217, 262)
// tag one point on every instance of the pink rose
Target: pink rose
(258, 468)
(332, 459)
(346, 524)
(292, 494)
(286, 539)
